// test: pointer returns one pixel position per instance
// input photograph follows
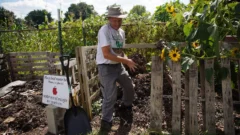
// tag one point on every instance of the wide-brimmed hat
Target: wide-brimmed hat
(115, 11)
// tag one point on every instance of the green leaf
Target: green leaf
(224, 73)
(209, 74)
(187, 29)
(203, 33)
(203, 15)
(214, 5)
(187, 62)
(215, 35)
(237, 8)
(238, 32)
(179, 18)
(192, 35)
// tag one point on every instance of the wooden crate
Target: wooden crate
(31, 65)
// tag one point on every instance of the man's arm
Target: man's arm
(108, 55)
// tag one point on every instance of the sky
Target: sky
(22, 7)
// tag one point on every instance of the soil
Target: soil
(21, 111)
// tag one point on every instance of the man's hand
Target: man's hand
(108, 55)
(131, 64)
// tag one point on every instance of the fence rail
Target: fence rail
(31, 65)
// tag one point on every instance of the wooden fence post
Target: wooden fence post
(227, 100)
(193, 99)
(186, 87)
(238, 79)
(156, 93)
(176, 104)
(209, 116)
(202, 82)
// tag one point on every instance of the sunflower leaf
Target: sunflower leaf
(187, 29)
(224, 73)
(179, 18)
(187, 62)
(209, 74)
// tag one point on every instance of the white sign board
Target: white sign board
(55, 91)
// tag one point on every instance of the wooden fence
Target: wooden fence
(191, 98)
(90, 88)
(31, 65)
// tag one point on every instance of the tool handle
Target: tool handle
(66, 69)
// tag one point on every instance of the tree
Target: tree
(138, 9)
(7, 18)
(75, 11)
(161, 14)
(37, 17)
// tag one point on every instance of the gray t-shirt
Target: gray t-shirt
(109, 36)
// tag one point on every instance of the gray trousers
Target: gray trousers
(109, 75)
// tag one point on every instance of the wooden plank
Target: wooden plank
(29, 77)
(239, 79)
(127, 46)
(85, 82)
(26, 59)
(26, 53)
(46, 64)
(193, 96)
(227, 100)
(94, 95)
(156, 94)
(176, 104)
(210, 100)
(2, 56)
(79, 65)
(34, 69)
(187, 111)
(140, 46)
(202, 81)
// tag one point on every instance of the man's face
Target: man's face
(115, 22)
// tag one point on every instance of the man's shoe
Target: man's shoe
(126, 115)
(105, 126)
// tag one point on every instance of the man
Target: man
(109, 60)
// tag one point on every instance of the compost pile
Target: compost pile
(22, 110)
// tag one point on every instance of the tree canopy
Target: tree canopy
(37, 17)
(7, 18)
(138, 9)
(83, 10)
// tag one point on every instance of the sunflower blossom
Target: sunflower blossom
(162, 54)
(195, 44)
(170, 8)
(174, 55)
(234, 52)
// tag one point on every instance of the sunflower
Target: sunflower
(174, 55)
(234, 52)
(192, 21)
(195, 44)
(170, 8)
(173, 14)
(162, 54)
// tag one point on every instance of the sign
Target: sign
(55, 91)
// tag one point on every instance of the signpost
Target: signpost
(55, 91)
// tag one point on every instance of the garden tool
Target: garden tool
(76, 121)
